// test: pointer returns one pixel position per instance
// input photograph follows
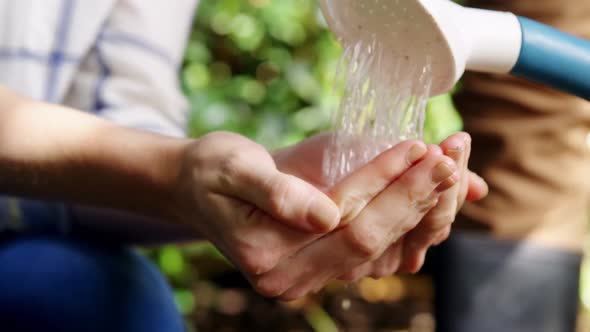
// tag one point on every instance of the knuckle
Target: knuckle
(379, 274)
(268, 287)
(365, 243)
(409, 180)
(256, 261)
(349, 277)
(278, 194)
(440, 217)
(251, 215)
(438, 220)
(292, 295)
(448, 160)
(230, 168)
(435, 150)
(424, 203)
(415, 188)
(413, 182)
(351, 206)
(357, 273)
(444, 219)
(380, 271)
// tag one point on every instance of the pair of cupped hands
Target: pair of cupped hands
(274, 217)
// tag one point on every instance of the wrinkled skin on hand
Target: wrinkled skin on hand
(230, 189)
(407, 253)
(289, 234)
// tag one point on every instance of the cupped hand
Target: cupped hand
(379, 204)
(230, 189)
(408, 254)
(436, 225)
(265, 214)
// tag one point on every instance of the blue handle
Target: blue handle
(554, 58)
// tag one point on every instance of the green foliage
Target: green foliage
(171, 261)
(265, 69)
(260, 68)
(185, 300)
(441, 119)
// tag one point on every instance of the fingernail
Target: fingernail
(456, 153)
(448, 183)
(416, 153)
(323, 216)
(442, 171)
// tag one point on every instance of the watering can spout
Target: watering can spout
(489, 41)
(460, 38)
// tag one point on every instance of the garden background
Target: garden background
(264, 69)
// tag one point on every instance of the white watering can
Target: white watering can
(458, 38)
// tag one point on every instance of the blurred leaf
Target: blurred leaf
(319, 319)
(171, 261)
(196, 76)
(442, 119)
(185, 301)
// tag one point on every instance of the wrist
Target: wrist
(55, 153)
(162, 168)
(137, 170)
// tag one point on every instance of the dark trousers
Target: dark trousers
(64, 285)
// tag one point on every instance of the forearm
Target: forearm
(120, 227)
(51, 152)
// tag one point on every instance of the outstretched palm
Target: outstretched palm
(305, 161)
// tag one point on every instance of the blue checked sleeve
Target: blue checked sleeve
(135, 65)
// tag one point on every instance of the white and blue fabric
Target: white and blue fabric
(117, 59)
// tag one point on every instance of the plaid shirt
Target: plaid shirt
(118, 59)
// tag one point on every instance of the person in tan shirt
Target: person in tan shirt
(513, 264)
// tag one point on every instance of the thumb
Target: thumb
(297, 203)
(284, 197)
